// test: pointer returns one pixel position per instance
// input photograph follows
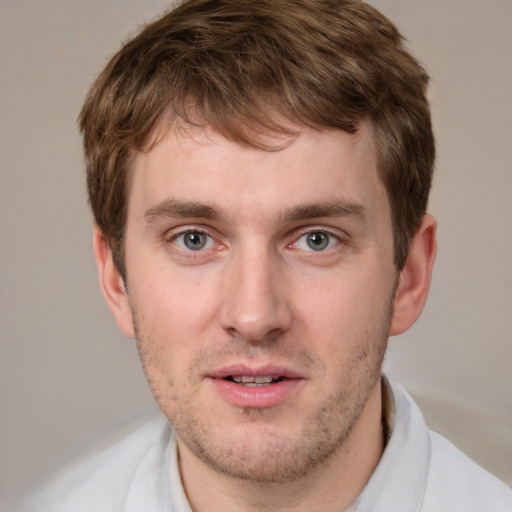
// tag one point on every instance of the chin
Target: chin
(265, 453)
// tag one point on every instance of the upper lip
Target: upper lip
(273, 370)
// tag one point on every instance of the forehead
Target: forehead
(201, 165)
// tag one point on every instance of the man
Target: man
(259, 174)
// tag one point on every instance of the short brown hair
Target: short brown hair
(241, 66)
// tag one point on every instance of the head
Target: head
(245, 68)
(259, 173)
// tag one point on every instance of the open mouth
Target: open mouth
(251, 381)
(256, 388)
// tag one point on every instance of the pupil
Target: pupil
(318, 241)
(195, 240)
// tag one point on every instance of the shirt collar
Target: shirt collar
(178, 498)
(400, 478)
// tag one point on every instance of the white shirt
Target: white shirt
(419, 471)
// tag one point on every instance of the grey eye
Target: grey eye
(318, 240)
(193, 240)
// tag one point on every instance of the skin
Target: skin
(257, 295)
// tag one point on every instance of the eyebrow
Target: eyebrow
(332, 208)
(178, 208)
(169, 208)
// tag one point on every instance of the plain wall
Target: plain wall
(67, 375)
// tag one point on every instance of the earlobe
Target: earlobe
(112, 285)
(415, 277)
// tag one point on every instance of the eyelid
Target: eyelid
(172, 234)
(187, 228)
(337, 234)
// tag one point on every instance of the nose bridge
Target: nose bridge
(255, 304)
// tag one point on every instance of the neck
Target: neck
(331, 486)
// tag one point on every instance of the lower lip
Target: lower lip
(256, 397)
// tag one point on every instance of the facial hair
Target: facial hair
(275, 457)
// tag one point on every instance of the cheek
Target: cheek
(342, 314)
(174, 315)
(166, 338)
(171, 299)
(338, 299)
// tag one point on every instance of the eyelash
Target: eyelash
(191, 231)
(331, 237)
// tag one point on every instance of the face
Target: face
(260, 287)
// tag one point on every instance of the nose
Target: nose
(255, 305)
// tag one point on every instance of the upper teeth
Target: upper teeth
(245, 379)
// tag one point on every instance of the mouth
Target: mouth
(260, 375)
(254, 381)
(260, 388)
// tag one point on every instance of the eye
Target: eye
(193, 240)
(316, 241)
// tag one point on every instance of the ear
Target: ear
(112, 285)
(414, 280)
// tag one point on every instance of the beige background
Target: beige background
(67, 375)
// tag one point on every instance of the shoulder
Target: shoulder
(435, 474)
(103, 481)
(455, 482)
